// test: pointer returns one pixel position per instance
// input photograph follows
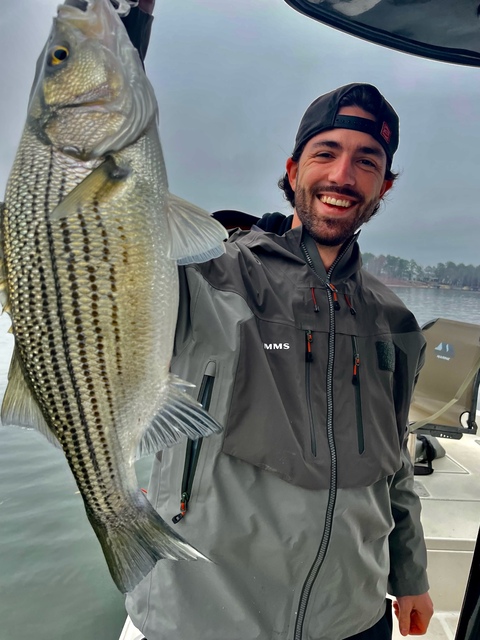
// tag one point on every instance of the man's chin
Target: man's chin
(330, 236)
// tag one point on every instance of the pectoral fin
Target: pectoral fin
(180, 416)
(20, 407)
(195, 235)
(103, 183)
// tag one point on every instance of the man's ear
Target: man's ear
(292, 168)
(387, 185)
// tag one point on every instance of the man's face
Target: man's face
(338, 181)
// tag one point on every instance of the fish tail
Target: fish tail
(135, 542)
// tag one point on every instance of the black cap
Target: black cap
(322, 115)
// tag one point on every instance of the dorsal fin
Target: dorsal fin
(195, 235)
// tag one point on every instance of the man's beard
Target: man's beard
(331, 231)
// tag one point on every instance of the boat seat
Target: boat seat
(446, 394)
(445, 399)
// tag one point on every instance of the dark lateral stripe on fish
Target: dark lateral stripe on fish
(49, 356)
(101, 362)
(113, 284)
(95, 306)
(48, 315)
(80, 463)
(89, 444)
(60, 383)
(36, 353)
(98, 495)
(113, 288)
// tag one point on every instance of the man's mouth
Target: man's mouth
(337, 202)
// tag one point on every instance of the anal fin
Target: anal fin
(180, 416)
(19, 407)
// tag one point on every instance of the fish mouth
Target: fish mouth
(78, 4)
(91, 100)
(122, 7)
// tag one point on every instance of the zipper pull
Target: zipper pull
(350, 306)
(356, 365)
(308, 351)
(183, 509)
(336, 304)
(316, 308)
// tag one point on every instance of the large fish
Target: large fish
(89, 242)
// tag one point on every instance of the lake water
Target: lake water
(54, 584)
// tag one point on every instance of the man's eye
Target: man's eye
(368, 163)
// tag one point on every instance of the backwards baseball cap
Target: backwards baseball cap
(322, 115)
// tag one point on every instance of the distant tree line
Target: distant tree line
(449, 273)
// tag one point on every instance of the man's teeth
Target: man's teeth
(334, 201)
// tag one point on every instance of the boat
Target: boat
(130, 632)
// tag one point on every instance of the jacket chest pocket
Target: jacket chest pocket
(192, 452)
(356, 382)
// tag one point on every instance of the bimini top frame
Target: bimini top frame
(438, 29)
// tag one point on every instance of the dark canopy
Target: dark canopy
(446, 30)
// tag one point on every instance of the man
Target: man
(305, 503)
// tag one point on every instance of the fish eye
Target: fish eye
(58, 55)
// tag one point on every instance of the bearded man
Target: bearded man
(304, 503)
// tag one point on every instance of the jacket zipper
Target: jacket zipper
(332, 495)
(358, 396)
(194, 447)
(308, 365)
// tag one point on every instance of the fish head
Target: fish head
(90, 95)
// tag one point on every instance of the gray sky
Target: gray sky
(233, 78)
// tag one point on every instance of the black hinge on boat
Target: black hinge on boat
(194, 446)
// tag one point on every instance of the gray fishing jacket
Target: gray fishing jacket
(305, 502)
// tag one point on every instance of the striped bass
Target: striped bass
(90, 238)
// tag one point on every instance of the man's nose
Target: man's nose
(342, 171)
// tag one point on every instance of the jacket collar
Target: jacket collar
(289, 246)
(345, 265)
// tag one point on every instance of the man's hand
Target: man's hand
(413, 613)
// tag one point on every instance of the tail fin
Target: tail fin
(135, 540)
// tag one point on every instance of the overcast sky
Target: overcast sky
(233, 78)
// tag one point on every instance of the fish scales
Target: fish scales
(88, 302)
(90, 237)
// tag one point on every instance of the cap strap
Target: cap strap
(365, 125)
(358, 124)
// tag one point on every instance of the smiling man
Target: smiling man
(340, 167)
(305, 502)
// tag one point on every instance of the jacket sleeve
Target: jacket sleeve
(182, 331)
(138, 24)
(408, 555)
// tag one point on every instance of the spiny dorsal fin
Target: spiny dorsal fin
(19, 406)
(195, 235)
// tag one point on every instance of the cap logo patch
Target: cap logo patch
(385, 132)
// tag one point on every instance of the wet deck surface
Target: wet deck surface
(442, 627)
(451, 518)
